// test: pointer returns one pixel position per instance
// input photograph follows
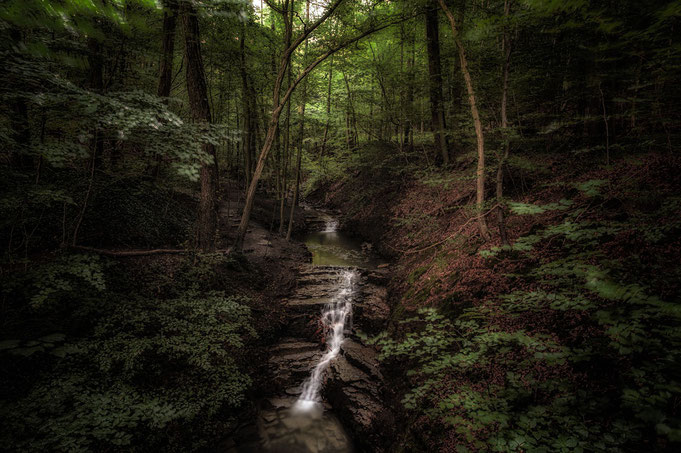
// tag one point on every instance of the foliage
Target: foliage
(583, 359)
(144, 367)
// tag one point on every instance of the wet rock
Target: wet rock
(371, 309)
(291, 361)
(363, 357)
(356, 398)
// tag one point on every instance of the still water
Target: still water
(333, 248)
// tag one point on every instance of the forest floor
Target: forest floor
(570, 217)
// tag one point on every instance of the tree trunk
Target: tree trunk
(328, 111)
(480, 173)
(168, 49)
(247, 115)
(200, 108)
(21, 134)
(21, 130)
(504, 125)
(408, 139)
(301, 139)
(435, 70)
(288, 20)
(354, 135)
(165, 77)
(96, 84)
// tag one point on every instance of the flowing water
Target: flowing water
(300, 421)
(334, 317)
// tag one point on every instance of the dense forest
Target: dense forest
(340, 225)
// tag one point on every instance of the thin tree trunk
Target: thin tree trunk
(328, 110)
(247, 115)
(607, 129)
(409, 108)
(21, 134)
(504, 125)
(81, 213)
(96, 84)
(480, 173)
(301, 138)
(200, 108)
(21, 129)
(96, 63)
(353, 119)
(435, 71)
(288, 20)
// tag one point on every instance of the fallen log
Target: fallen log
(139, 252)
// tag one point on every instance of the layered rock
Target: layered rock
(353, 380)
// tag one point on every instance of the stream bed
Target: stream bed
(300, 419)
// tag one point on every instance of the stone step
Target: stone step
(321, 277)
(294, 346)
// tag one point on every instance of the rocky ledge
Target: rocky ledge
(353, 382)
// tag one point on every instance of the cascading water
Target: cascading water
(331, 226)
(334, 318)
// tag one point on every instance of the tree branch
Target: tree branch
(332, 51)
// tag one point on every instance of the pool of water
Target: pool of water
(334, 248)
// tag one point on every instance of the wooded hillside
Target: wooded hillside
(515, 162)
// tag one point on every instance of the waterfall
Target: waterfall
(331, 226)
(334, 317)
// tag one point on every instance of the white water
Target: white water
(334, 317)
(331, 226)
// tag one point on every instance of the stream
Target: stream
(300, 419)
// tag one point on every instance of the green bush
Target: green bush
(126, 372)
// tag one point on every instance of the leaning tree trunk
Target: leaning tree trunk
(200, 108)
(480, 173)
(435, 83)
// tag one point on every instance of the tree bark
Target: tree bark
(480, 173)
(21, 129)
(96, 84)
(353, 119)
(288, 20)
(504, 125)
(435, 82)
(168, 49)
(165, 77)
(247, 139)
(197, 91)
(408, 138)
(328, 111)
(301, 139)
